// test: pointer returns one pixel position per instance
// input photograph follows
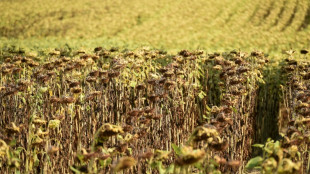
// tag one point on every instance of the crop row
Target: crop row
(143, 110)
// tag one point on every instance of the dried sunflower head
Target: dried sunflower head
(189, 156)
(38, 121)
(94, 73)
(42, 134)
(134, 112)
(67, 100)
(53, 124)
(219, 160)
(202, 133)
(160, 155)
(108, 130)
(37, 141)
(52, 149)
(76, 90)
(140, 86)
(146, 155)
(304, 51)
(124, 163)
(233, 163)
(288, 166)
(13, 128)
(55, 99)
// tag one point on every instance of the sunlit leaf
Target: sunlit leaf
(254, 162)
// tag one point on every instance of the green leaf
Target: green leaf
(74, 170)
(133, 84)
(201, 95)
(108, 161)
(87, 108)
(129, 150)
(217, 172)
(161, 168)
(199, 166)
(36, 160)
(154, 164)
(170, 169)
(80, 157)
(190, 75)
(258, 145)
(43, 89)
(13, 142)
(260, 80)
(18, 150)
(254, 162)
(102, 162)
(234, 110)
(176, 149)
(298, 154)
(24, 100)
(208, 108)
(277, 145)
(207, 117)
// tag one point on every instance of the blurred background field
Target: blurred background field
(267, 25)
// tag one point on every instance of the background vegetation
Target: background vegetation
(266, 25)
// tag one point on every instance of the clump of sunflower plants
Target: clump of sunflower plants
(234, 78)
(112, 110)
(290, 154)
